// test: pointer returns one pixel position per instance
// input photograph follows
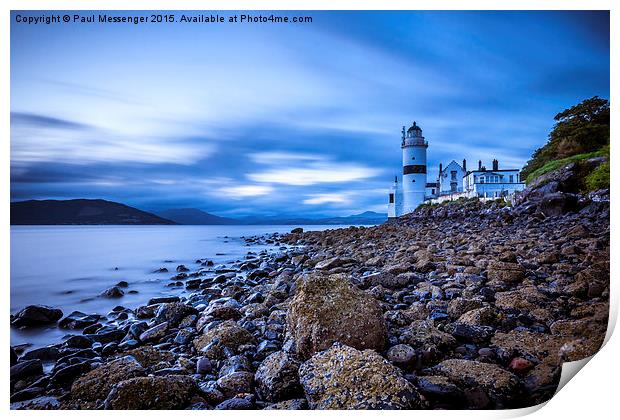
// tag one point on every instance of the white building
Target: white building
(450, 178)
(453, 181)
(492, 183)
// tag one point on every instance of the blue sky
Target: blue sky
(289, 119)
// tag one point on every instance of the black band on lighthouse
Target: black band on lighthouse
(414, 169)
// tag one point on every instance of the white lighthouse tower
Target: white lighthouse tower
(414, 168)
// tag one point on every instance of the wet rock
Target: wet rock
(501, 386)
(277, 377)
(148, 393)
(43, 353)
(236, 383)
(64, 376)
(149, 356)
(173, 313)
(297, 230)
(203, 365)
(26, 369)
(334, 262)
(78, 320)
(113, 292)
(164, 299)
(328, 309)
(460, 306)
(441, 390)
(96, 384)
(35, 316)
(402, 355)
(39, 403)
(481, 316)
(520, 365)
(79, 342)
(227, 334)
(345, 378)
(235, 404)
(155, 333)
(470, 333)
(423, 334)
(505, 272)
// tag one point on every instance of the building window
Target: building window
(391, 198)
(517, 177)
(482, 180)
(433, 191)
(453, 175)
(511, 179)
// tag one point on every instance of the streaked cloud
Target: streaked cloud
(330, 198)
(243, 191)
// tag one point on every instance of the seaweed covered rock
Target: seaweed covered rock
(345, 378)
(500, 386)
(328, 309)
(227, 334)
(277, 378)
(148, 393)
(97, 383)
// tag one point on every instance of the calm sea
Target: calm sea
(69, 266)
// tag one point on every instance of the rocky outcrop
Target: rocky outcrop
(343, 378)
(328, 309)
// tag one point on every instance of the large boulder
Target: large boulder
(35, 316)
(345, 378)
(227, 334)
(329, 309)
(277, 378)
(96, 384)
(148, 393)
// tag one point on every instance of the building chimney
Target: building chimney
(464, 165)
(440, 168)
(395, 179)
(495, 165)
(479, 165)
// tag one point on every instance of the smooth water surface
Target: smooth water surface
(69, 266)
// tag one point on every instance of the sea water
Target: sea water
(68, 267)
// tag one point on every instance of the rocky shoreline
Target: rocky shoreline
(464, 305)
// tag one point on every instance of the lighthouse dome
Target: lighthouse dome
(414, 130)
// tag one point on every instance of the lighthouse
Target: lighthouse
(414, 168)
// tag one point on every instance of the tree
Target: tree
(580, 129)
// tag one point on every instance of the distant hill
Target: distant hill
(198, 217)
(366, 218)
(195, 217)
(80, 212)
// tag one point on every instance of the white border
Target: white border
(592, 395)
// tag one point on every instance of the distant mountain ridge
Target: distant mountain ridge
(198, 217)
(103, 212)
(81, 212)
(195, 217)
